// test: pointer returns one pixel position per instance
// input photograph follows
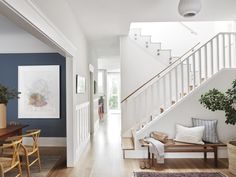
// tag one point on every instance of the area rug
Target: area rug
(157, 174)
(47, 163)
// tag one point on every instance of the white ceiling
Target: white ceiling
(103, 21)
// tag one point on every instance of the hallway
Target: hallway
(103, 157)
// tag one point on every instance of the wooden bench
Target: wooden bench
(176, 147)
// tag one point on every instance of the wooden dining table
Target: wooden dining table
(11, 130)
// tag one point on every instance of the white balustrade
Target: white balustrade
(182, 78)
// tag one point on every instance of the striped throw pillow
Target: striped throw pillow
(210, 133)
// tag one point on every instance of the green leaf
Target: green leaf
(215, 100)
(7, 94)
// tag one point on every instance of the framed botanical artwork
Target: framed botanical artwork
(40, 91)
(80, 84)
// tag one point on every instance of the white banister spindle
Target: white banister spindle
(230, 59)
(164, 91)
(82, 127)
(223, 51)
(218, 52)
(145, 103)
(170, 86)
(200, 65)
(158, 94)
(80, 116)
(182, 78)
(188, 75)
(234, 64)
(176, 84)
(212, 59)
(194, 72)
(206, 66)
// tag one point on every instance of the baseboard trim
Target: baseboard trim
(47, 141)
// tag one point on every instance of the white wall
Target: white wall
(16, 40)
(109, 63)
(64, 19)
(190, 107)
(137, 66)
(177, 37)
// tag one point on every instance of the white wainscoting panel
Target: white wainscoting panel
(82, 135)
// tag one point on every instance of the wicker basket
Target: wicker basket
(232, 156)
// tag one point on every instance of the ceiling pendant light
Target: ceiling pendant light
(189, 8)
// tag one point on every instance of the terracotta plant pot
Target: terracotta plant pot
(232, 156)
(3, 116)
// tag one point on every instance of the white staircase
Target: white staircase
(153, 48)
(164, 91)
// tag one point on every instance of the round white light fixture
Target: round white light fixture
(189, 8)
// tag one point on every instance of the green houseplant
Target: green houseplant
(6, 94)
(216, 100)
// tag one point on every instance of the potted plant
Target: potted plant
(216, 100)
(6, 94)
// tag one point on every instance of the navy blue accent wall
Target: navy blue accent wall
(9, 77)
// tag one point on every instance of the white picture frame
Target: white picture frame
(40, 91)
(80, 84)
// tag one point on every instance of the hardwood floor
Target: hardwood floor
(103, 158)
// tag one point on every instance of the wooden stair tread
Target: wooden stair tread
(127, 144)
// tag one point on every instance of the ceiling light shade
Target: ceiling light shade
(189, 8)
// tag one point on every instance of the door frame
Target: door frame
(91, 98)
(32, 20)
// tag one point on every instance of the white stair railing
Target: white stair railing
(162, 92)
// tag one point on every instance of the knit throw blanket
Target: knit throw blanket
(157, 148)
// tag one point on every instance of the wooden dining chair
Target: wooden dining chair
(28, 151)
(31, 150)
(13, 161)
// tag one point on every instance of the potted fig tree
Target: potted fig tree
(6, 94)
(216, 100)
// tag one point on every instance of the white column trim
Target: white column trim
(70, 112)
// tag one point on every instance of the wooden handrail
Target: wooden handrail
(157, 75)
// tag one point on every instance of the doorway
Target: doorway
(113, 92)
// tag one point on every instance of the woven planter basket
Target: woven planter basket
(232, 156)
